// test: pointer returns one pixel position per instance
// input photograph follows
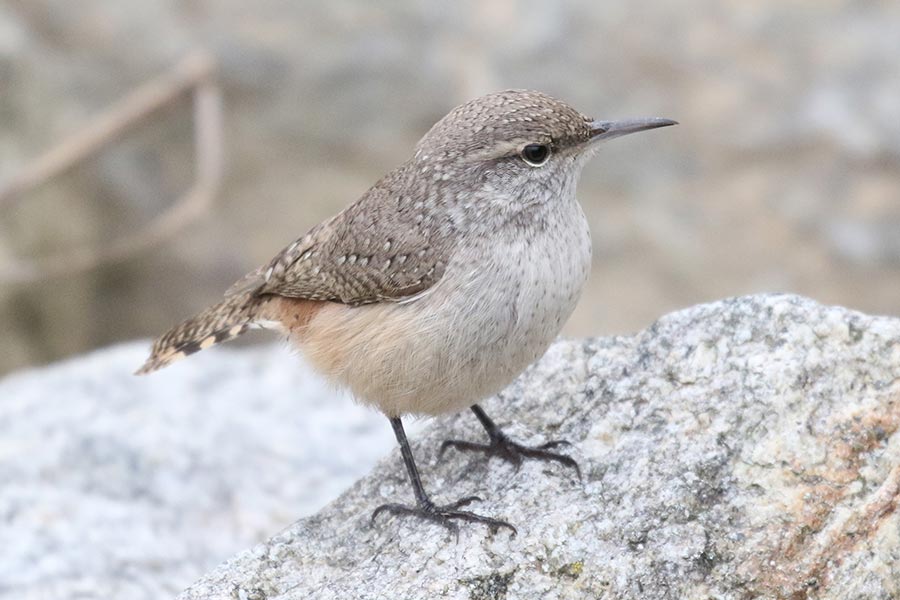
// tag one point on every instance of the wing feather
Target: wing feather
(383, 248)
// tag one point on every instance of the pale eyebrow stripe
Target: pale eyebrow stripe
(503, 149)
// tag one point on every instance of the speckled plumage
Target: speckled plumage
(446, 279)
(396, 240)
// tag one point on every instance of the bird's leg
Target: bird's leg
(425, 508)
(500, 445)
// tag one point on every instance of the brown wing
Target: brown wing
(384, 247)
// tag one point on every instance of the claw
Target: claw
(464, 502)
(459, 445)
(554, 444)
(513, 452)
(443, 515)
(425, 508)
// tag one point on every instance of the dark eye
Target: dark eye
(536, 154)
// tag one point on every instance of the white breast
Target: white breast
(504, 299)
(532, 290)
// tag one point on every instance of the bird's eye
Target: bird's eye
(535, 154)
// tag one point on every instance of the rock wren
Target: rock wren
(442, 282)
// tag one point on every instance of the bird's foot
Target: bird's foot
(503, 447)
(443, 515)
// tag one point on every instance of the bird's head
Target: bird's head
(518, 144)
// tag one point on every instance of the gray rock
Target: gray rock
(745, 448)
(742, 449)
(113, 486)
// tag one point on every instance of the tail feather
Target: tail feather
(218, 323)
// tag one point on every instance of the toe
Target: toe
(463, 502)
(554, 444)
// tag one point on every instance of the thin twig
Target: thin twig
(195, 74)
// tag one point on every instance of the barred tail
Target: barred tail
(219, 323)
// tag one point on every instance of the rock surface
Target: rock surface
(742, 449)
(126, 488)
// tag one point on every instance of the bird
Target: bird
(441, 283)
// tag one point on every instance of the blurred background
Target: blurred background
(783, 176)
(151, 153)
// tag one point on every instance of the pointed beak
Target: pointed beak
(607, 130)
